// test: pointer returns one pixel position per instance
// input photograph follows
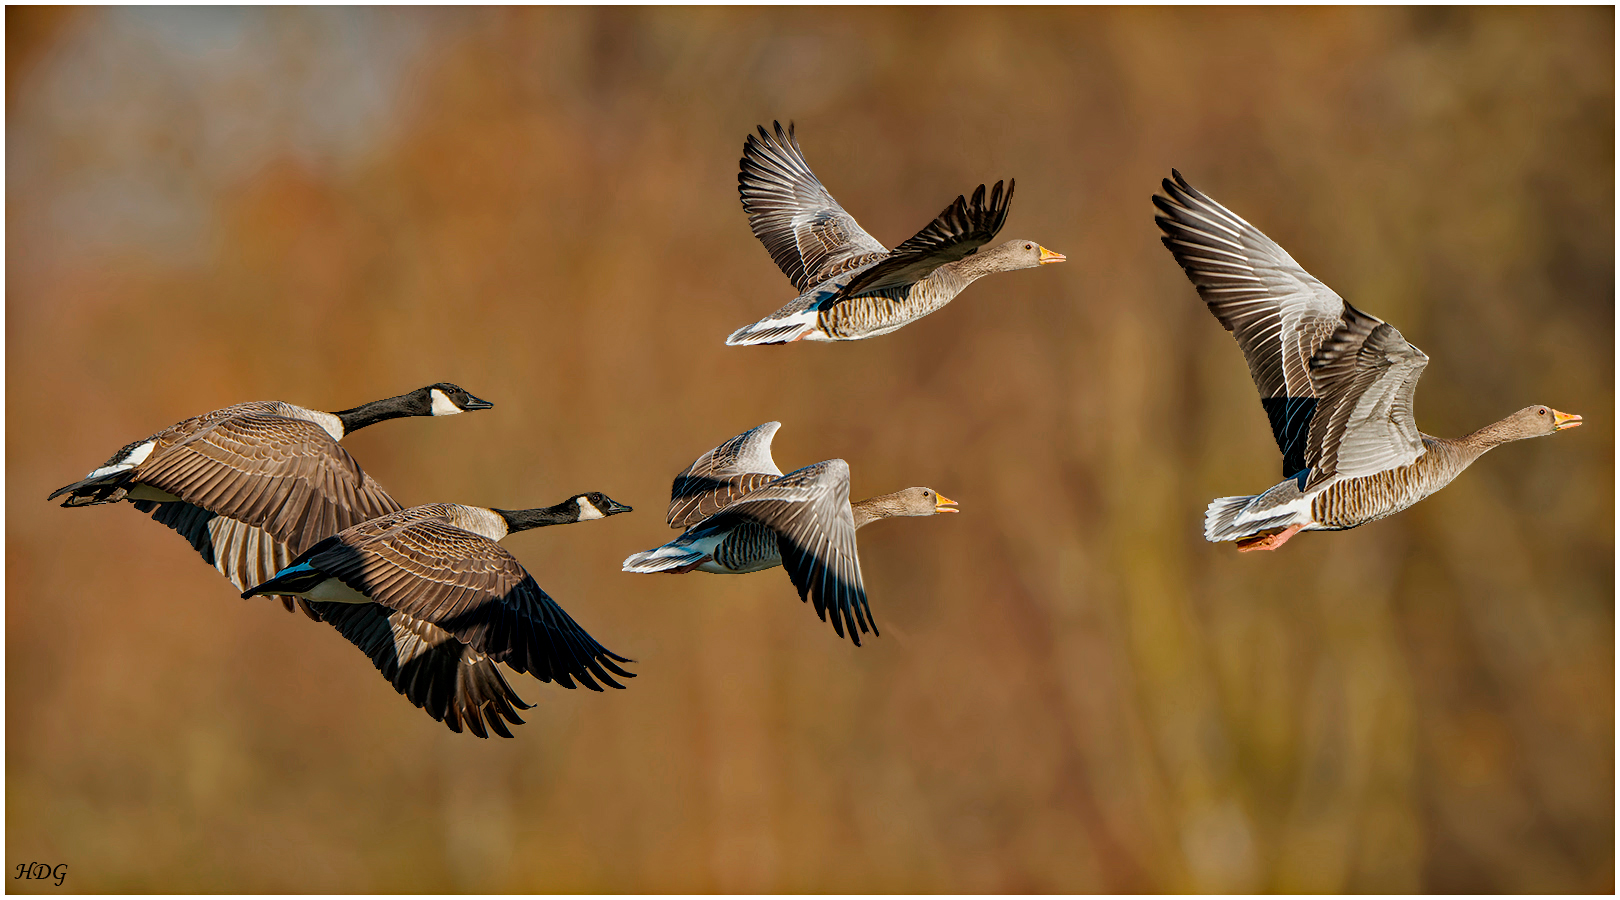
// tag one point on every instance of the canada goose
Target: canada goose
(431, 597)
(745, 516)
(1336, 383)
(251, 486)
(850, 286)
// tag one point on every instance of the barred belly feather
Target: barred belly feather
(748, 548)
(1368, 498)
(875, 313)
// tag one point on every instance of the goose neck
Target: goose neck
(378, 411)
(523, 519)
(874, 508)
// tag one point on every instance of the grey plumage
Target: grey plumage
(1337, 385)
(803, 521)
(722, 475)
(851, 287)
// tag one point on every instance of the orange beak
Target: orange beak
(1048, 256)
(1565, 420)
(943, 504)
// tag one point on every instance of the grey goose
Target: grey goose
(742, 514)
(435, 601)
(1336, 383)
(850, 286)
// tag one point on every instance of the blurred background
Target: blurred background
(1072, 690)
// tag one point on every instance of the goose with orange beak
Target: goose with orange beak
(741, 514)
(1336, 383)
(850, 286)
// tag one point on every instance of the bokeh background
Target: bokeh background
(1072, 691)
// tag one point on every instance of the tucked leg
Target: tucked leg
(688, 568)
(1268, 541)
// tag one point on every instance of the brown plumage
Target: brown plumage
(432, 597)
(254, 485)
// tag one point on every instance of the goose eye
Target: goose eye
(1029, 246)
(1541, 412)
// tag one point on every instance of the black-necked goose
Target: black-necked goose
(850, 286)
(1336, 383)
(435, 601)
(253, 485)
(745, 516)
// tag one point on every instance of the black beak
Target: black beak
(615, 507)
(475, 403)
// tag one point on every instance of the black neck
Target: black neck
(563, 513)
(380, 410)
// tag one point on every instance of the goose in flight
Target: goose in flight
(435, 601)
(1335, 382)
(850, 286)
(742, 514)
(254, 485)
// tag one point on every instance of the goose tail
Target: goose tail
(109, 487)
(664, 559)
(1220, 520)
(293, 580)
(1240, 518)
(778, 329)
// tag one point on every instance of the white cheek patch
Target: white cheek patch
(442, 405)
(587, 511)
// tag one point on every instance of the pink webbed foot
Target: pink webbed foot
(1268, 541)
(684, 569)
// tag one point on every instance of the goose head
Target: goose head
(594, 505)
(1538, 421)
(442, 399)
(915, 501)
(578, 508)
(1018, 255)
(446, 399)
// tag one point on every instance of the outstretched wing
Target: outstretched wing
(284, 476)
(1365, 374)
(806, 231)
(445, 678)
(257, 490)
(721, 476)
(471, 587)
(959, 230)
(1276, 311)
(809, 511)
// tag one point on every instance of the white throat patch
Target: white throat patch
(587, 511)
(442, 405)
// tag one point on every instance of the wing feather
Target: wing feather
(808, 509)
(808, 234)
(1366, 375)
(448, 680)
(1278, 313)
(721, 476)
(962, 228)
(470, 587)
